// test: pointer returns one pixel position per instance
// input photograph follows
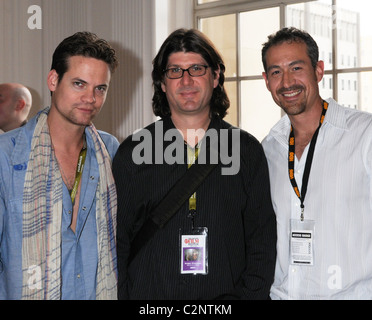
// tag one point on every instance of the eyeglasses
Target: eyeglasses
(196, 70)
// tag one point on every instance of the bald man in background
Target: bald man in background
(15, 105)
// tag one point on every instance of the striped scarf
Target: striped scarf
(42, 218)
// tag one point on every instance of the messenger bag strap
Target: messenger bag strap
(173, 201)
(170, 204)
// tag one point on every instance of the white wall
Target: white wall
(135, 28)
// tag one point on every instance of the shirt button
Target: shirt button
(91, 177)
(69, 211)
(84, 208)
(78, 276)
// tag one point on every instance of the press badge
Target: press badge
(194, 251)
(302, 242)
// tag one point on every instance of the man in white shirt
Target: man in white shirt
(320, 163)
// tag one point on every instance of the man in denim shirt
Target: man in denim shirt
(57, 194)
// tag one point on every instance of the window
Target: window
(238, 28)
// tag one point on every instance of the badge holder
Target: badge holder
(194, 251)
(302, 231)
(302, 242)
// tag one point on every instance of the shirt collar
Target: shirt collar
(215, 123)
(335, 117)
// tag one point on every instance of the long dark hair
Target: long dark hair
(183, 40)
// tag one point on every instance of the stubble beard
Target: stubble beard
(293, 109)
(76, 119)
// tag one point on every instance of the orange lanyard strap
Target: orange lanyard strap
(309, 160)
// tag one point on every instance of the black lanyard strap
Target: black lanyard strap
(309, 160)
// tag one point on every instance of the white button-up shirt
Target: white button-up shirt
(338, 199)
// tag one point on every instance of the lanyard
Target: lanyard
(79, 171)
(309, 160)
(192, 155)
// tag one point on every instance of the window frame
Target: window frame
(225, 7)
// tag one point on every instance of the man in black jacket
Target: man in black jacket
(221, 242)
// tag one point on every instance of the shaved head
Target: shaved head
(15, 105)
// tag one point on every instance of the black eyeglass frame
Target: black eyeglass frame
(188, 71)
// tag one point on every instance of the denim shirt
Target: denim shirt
(79, 250)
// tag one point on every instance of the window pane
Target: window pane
(326, 87)
(354, 90)
(222, 31)
(232, 112)
(354, 33)
(316, 18)
(258, 110)
(348, 90)
(365, 97)
(252, 38)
